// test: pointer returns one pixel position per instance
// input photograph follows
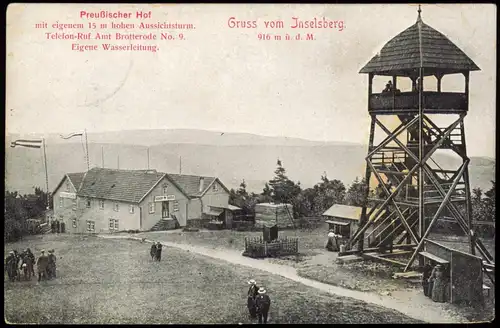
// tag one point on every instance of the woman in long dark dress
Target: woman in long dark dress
(430, 285)
(438, 288)
(153, 251)
(425, 278)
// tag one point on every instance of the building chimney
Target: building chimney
(202, 182)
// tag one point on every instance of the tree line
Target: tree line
(19, 208)
(313, 202)
(308, 202)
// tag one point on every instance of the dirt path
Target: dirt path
(414, 305)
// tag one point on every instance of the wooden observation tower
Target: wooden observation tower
(414, 190)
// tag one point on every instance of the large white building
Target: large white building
(108, 200)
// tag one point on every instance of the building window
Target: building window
(113, 224)
(176, 206)
(131, 209)
(165, 189)
(74, 204)
(101, 204)
(61, 202)
(90, 226)
(87, 203)
(67, 186)
(74, 223)
(116, 207)
(215, 187)
(151, 206)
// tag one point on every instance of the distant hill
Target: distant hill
(231, 157)
(182, 136)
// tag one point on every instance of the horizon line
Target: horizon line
(192, 129)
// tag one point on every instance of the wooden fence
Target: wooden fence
(258, 248)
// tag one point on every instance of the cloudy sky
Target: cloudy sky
(226, 79)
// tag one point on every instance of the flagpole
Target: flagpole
(148, 158)
(87, 146)
(102, 156)
(180, 164)
(46, 173)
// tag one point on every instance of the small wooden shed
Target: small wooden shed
(465, 271)
(344, 219)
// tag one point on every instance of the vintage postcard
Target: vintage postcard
(250, 163)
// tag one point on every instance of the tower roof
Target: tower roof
(419, 46)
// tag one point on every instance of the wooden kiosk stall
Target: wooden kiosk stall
(465, 272)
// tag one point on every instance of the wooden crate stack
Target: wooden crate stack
(267, 214)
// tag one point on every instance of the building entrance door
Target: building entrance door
(165, 210)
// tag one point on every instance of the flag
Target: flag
(71, 135)
(27, 143)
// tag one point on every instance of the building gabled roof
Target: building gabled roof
(191, 183)
(419, 46)
(121, 185)
(132, 186)
(75, 179)
(350, 212)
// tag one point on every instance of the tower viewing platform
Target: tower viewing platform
(419, 47)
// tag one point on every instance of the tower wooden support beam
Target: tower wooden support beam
(412, 190)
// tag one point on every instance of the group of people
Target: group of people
(21, 265)
(156, 251)
(57, 227)
(389, 88)
(435, 282)
(258, 302)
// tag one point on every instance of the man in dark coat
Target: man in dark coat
(31, 256)
(19, 263)
(51, 266)
(263, 303)
(41, 265)
(158, 251)
(153, 251)
(11, 266)
(28, 263)
(252, 294)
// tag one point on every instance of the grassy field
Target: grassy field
(114, 281)
(363, 276)
(373, 277)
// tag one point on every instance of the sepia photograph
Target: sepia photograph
(250, 163)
